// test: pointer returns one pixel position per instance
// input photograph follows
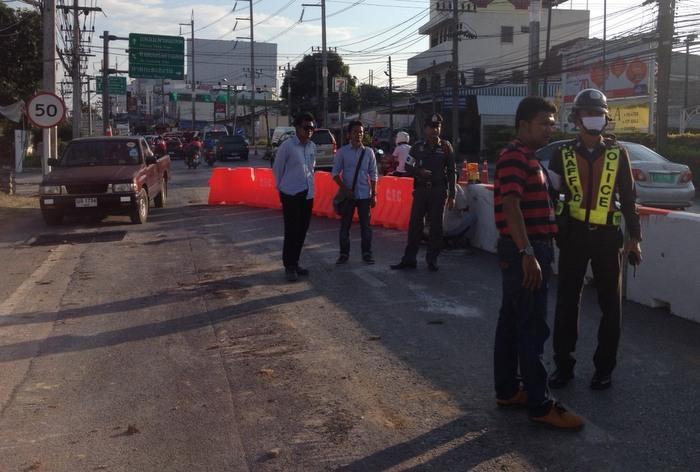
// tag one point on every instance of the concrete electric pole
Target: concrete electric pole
(663, 59)
(534, 55)
(49, 76)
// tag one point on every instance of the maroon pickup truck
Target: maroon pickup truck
(105, 175)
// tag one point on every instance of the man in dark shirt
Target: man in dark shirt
(431, 163)
(594, 175)
(525, 219)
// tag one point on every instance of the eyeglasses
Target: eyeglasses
(309, 128)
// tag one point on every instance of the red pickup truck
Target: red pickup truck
(105, 175)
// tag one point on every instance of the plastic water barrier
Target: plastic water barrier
(256, 187)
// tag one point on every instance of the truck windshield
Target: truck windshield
(101, 153)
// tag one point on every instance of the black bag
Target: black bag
(341, 199)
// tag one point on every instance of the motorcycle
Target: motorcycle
(193, 159)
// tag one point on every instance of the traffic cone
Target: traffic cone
(484, 176)
(463, 174)
(109, 131)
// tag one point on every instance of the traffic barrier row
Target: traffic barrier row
(670, 267)
(256, 187)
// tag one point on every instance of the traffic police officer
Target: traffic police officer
(594, 178)
(432, 164)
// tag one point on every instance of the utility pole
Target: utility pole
(105, 82)
(605, 40)
(77, 94)
(252, 73)
(191, 65)
(288, 76)
(663, 59)
(89, 107)
(49, 77)
(547, 43)
(391, 99)
(688, 40)
(534, 56)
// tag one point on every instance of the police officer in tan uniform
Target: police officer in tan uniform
(431, 163)
(594, 176)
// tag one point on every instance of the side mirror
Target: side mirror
(52, 161)
(151, 159)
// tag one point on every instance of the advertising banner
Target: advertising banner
(630, 118)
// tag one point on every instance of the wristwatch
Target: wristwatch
(527, 251)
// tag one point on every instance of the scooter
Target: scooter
(193, 160)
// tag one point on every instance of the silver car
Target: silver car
(658, 181)
(325, 147)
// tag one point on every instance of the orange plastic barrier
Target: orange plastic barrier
(228, 186)
(324, 191)
(394, 200)
(264, 192)
(653, 211)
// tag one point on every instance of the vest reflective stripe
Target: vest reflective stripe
(600, 214)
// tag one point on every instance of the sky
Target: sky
(365, 32)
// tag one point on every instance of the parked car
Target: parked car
(233, 146)
(174, 147)
(325, 147)
(105, 175)
(658, 181)
(279, 132)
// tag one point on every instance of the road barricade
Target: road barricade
(229, 186)
(394, 200)
(264, 192)
(324, 191)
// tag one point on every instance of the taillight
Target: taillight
(686, 176)
(335, 148)
(639, 175)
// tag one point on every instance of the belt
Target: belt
(531, 237)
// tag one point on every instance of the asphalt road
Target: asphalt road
(178, 346)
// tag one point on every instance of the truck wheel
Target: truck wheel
(139, 215)
(52, 218)
(161, 198)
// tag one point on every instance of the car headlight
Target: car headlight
(50, 189)
(123, 188)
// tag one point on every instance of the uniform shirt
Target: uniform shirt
(438, 159)
(590, 167)
(401, 153)
(518, 172)
(345, 163)
(294, 167)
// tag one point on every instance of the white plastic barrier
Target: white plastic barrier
(669, 276)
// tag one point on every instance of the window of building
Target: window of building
(479, 76)
(506, 34)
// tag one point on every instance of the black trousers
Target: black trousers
(430, 201)
(297, 216)
(601, 247)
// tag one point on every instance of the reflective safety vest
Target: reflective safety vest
(600, 212)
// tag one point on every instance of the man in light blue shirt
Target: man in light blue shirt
(294, 177)
(362, 195)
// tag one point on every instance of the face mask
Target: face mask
(594, 124)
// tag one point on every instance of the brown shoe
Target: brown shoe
(519, 400)
(559, 418)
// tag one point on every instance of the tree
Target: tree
(307, 87)
(20, 54)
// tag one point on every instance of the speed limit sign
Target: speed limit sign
(46, 110)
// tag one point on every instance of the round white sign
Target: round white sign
(46, 109)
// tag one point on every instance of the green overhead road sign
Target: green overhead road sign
(154, 56)
(117, 85)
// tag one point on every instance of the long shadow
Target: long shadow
(67, 343)
(163, 297)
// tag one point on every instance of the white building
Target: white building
(499, 53)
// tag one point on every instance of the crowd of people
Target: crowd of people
(577, 203)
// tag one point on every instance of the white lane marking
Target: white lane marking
(368, 278)
(446, 306)
(23, 292)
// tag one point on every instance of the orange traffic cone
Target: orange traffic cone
(484, 176)
(109, 131)
(463, 174)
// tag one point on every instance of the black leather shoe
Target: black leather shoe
(367, 258)
(560, 378)
(291, 275)
(302, 272)
(601, 381)
(342, 259)
(433, 267)
(404, 265)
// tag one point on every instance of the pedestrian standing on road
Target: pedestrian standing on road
(524, 213)
(294, 177)
(355, 172)
(594, 175)
(400, 153)
(431, 163)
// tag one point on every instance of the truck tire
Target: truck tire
(160, 199)
(52, 218)
(139, 215)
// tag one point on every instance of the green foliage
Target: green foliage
(307, 87)
(20, 54)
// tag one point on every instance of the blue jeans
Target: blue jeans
(522, 328)
(362, 206)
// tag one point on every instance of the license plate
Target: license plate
(85, 202)
(663, 178)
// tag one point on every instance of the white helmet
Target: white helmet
(402, 137)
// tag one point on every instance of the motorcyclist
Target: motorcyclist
(194, 150)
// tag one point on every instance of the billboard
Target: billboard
(625, 73)
(630, 118)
